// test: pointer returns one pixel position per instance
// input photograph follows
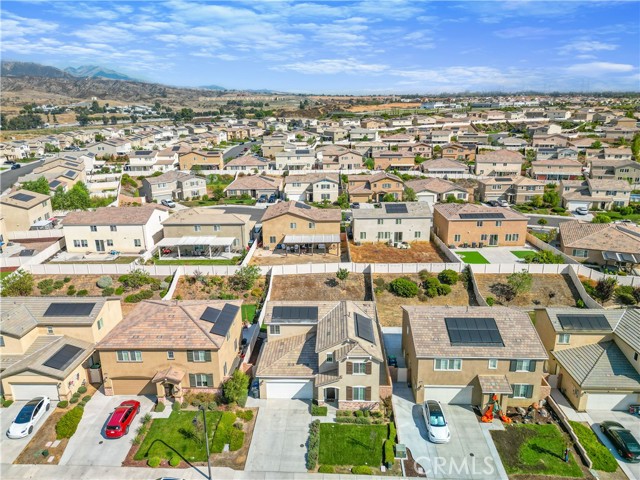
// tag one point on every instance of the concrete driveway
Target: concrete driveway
(10, 448)
(470, 454)
(631, 422)
(89, 446)
(280, 436)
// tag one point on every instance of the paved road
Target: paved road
(553, 221)
(9, 177)
(238, 149)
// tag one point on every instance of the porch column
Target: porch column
(209, 251)
(159, 253)
(178, 251)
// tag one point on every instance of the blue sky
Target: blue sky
(360, 47)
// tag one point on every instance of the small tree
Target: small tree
(601, 218)
(520, 282)
(342, 274)
(39, 186)
(545, 256)
(537, 201)
(235, 389)
(403, 287)
(410, 195)
(542, 221)
(19, 284)
(448, 277)
(245, 277)
(605, 288)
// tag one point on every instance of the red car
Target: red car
(121, 419)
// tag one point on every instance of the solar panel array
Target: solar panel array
(584, 322)
(22, 197)
(473, 331)
(481, 216)
(225, 320)
(210, 315)
(288, 314)
(61, 309)
(70, 173)
(55, 183)
(364, 328)
(63, 357)
(29, 252)
(395, 208)
(503, 179)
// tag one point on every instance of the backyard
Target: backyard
(202, 261)
(319, 287)
(213, 287)
(378, 252)
(547, 290)
(472, 257)
(345, 444)
(278, 257)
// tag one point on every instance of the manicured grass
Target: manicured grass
(177, 434)
(535, 450)
(524, 254)
(204, 261)
(600, 455)
(248, 312)
(4, 274)
(347, 444)
(472, 257)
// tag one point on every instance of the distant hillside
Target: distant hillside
(212, 87)
(95, 71)
(29, 69)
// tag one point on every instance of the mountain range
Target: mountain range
(95, 71)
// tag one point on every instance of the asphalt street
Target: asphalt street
(238, 149)
(9, 177)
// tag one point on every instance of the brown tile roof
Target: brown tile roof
(113, 216)
(302, 210)
(254, 182)
(374, 177)
(436, 185)
(443, 163)
(311, 178)
(622, 238)
(205, 216)
(246, 160)
(288, 357)
(608, 184)
(452, 211)
(507, 156)
(431, 339)
(171, 176)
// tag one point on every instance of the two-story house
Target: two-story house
(143, 162)
(444, 168)
(628, 170)
(298, 159)
(556, 170)
(22, 208)
(457, 151)
(312, 187)
(393, 222)
(499, 163)
(173, 185)
(200, 159)
(254, 186)
(595, 194)
(394, 160)
(373, 188)
(514, 190)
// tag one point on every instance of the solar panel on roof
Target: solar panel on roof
(61, 309)
(210, 315)
(225, 320)
(294, 314)
(23, 197)
(70, 173)
(70, 164)
(481, 216)
(584, 322)
(395, 208)
(364, 328)
(470, 331)
(54, 183)
(27, 252)
(503, 179)
(63, 357)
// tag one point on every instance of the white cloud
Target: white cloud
(333, 66)
(599, 68)
(15, 26)
(585, 46)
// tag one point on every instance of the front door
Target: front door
(493, 240)
(168, 390)
(100, 245)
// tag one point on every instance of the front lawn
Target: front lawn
(523, 254)
(347, 444)
(535, 450)
(600, 455)
(472, 257)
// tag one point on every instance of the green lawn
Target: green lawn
(535, 450)
(248, 312)
(204, 261)
(600, 455)
(347, 444)
(472, 257)
(524, 254)
(634, 217)
(4, 274)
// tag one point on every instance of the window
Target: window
(359, 368)
(384, 235)
(386, 185)
(578, 252)
(563, 338)
(197, 228)
(312, 225)
(225, 369)
(93, 228)
(49, 330)
(523, 365)
(109, 243)
(448, 364)
(235, 344)
(129, 355)
(499, 223)
(456, 238)
(202, 380)
(358, 393)
(493, 363)
(398, 221)
(272, 239)
(380, 221)
(137, 242)
(170, 355)
(274, 329)
(113, 228)
(511, 237)
(1, 341)
(484, 237)
(635, 354)
(292, 226)
(522, 391)
(417, 234)
(325, 196)
(330, 357)
(100, 324)
(199, 356)
(76, 243)
(217, 228)
(479, 223)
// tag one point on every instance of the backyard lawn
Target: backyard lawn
(523, 254)
(535, 450)
(347, 444)
(472, 257)
(248, 312)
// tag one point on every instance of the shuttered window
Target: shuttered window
(198, 356)
(200, 380)
(522, 391)
(522, 366)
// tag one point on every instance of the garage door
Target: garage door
(134, 387)
(27, 391)
(573, 205)
(452, 395)
(610, 401)
(290, 389)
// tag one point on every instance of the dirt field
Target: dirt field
(389, 305)
(420, 252)
(546, 291)
(263, 257)
(216, 287)
(318, 287)
(385, 106)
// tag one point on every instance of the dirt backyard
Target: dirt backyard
(318, 287)
(546, 291)
(212, 287)
(378, 252)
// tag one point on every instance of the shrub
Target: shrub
(626, 298)
(74, 400)
(235, 389)
(46, 284)
(389, 453)
(213, 405)
(605, 288)
(82, 293)
(135, 279)
(448, 277)
(107, 292)
(63, 404)
(379, 282)
(164, 286)
(160, 407)
(424, 274)
(7, 403)
(86, 398)
(175, 461)
(361, 470)
(18, 284)
(245, 277)
(313, 449)
(185, 404)
(66, 279)
(359, 413)
(68, 423)
(403, 287)
(71, 290)
(236, 439)
(138, 297)
(176, 406)
(119, 291)
(318, 411)
(246, 415)
(104, 281)
(58, 284)
(392, 431)
(154, 462)
(81, 389)
(326, 469)
(491, 301)
(257, 292)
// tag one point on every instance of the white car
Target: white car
(582, 210)
(29, 415)
(168, 203)
(503, 203)
(437, 426)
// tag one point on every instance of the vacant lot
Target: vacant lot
(318, 287)
(420, 252)
(265, 257)
(546, 291)
(390, 306)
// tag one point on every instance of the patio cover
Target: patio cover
(171, 375)
(494, 384)
(211, 241)
(621, 257)
(328, 238)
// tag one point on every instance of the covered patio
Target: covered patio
(198, 247)
(322, 243)
(625, 261)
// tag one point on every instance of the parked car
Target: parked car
(262, 199)
(623, 441)
(168, 203)
(493, 203)
(582, 210)
(29, 415)
(121, 419)
(503, 203)
(437, 426)
(355, 205)
(15, 166)
(273, 198)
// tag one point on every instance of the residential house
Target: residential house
(248, 163)
(47, 344)
(59, 172)
(254, 186)
(444, 168)
(593, 355)
(468, 224)
(373, 188)
(552, 142)
(329, 352)
(499, 163)
(457, 151)
(201, 159)
(466, 355)
(341, 160)
(440, 137)
(624, 153)
(113, 147)
(628, 170)
(595, 194)
(298, 159)
(369, 148)
(390, 159)
(553, 171)
(169, 349)
(143, 162)
(22, 208)
(173, 185)
(516, 190)
(312, 187)
(335, 134)
(513, 143)
(128, 230)
(394, 222)
(616, 244)
(435, 190)
(295, 223)
(471, 140)
(421, 148)
(364, 134)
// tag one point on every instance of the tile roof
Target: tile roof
(36, 199)
(374, 177)
(508, 156)
(623, 238)
(205, 216)
(288, 357)
(414, 210)
(311, 178)
(302, 210)
(254, 182)
(246, 160)
(600, 365)
(452, 211)
(171, 176)
(443, 164)
(628, 328)
(436, 185)
(431, 339)
(113, 216)
(608, 184)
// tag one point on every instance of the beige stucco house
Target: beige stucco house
(201, 159)
(393, 222)
(312, 187)
(22, 208)
(173, 185)
(373, 188)
(499, 163)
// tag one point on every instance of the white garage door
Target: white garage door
(290, 389)
(27, 391)
(452, 395)
(610, 401)
(573, 205)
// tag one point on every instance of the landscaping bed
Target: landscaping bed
(379, 252)
(212, 287)
(547, 290)
(318, 287)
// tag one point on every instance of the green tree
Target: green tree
(545, 256)
(437, 150)
(113, 120)
(82, 118)
(342, 274)
(18, 284)
(49, 148)
(605, 288)
(236, 388)
(520, 282)
(551, 197)
(40, 186)
(105, 120)
(99, 137)
(245, 277)
(95, 107)
(388, 197)
(343, 201)
(404, 287)
(542, 221)
(76, 198)
(596, 144)
(601, 218)
(409, 195)
(537, 201)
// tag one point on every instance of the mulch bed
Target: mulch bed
(32, 453)
(410, 466)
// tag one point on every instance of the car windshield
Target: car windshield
(436, 419)
(629, 440)
(25, 414)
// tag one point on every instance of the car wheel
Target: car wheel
(30, 430)
(126, 431)
(138, 410)
(46, 409)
